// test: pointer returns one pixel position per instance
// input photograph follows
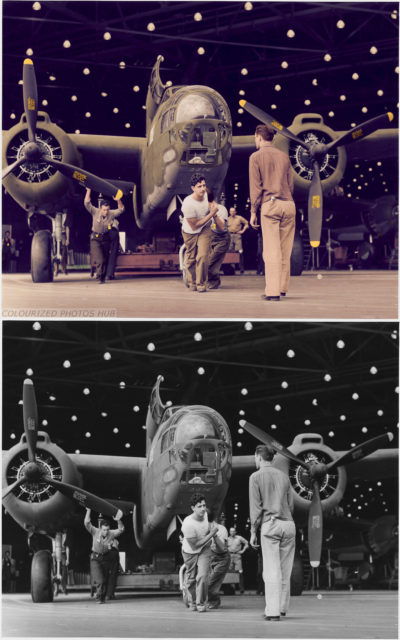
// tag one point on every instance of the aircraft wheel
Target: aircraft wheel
(297, 577)
(41, 577)
(297, 257)
(41, 262)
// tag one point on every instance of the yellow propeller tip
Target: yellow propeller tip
(242, 102)
(118, 195)
(390, 116)
(28, 61)
(314, 243)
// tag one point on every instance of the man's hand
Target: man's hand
(213, 528)
(88, 190)
(213, 208)
(118, 515)
(253, 221)
(253, 538)
(88, 510)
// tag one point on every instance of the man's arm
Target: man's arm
(245, 225)
(219, 222)
(256, 189)
(121, 529)
(256, 509)
(290, 498)
(88, 205)
(87, 522)
(290, 179)
(198, 224)
(245, 543)
(197, 543)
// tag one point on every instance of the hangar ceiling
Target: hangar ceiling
(336, 379)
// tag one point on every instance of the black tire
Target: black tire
(297, 577)
(297, 257)
(41, 262)
(41, 577)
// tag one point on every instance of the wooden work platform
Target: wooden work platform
(314, 295)
(336, 614)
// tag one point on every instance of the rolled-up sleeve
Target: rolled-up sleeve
(255, 184)
(256, 507)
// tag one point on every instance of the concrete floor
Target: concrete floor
(339, 614)
(313, 295)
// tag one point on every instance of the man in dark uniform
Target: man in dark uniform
(102, 557)
(113, 253)
(8, 252)
(103, 218)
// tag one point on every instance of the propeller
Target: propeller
(34, 472)
(316, 472)
(34, 152)
(317, 152)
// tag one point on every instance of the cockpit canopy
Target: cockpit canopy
(195, 105)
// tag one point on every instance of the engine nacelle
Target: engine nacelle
(39, 507)
(36, 185)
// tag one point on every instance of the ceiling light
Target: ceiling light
(238, 444)
(115, 110)
(244, 71)
(315, 402)
(343, 97)
(290, 353)
(373, 370)
(29, 52)
(201, 371)
(107, 35)
(244, 391)
(248, 326)
(284, 384)
(74, 418)
(29, 372)
(238, 124)
(151, 26)
(36, 6)
(327, 57)
(74, 98)
(86, 71)
(201, 51)
(373, 50)
(284, 64)
(355, 396)
(52, 398)
(380, 412)
(104, 94)
(127, 125)
(331, 114)
(340, 24)
(273, 426)
(122, 385)
(36, 326)
(242, 413)
(88, 434)
(355, 76)
(20, 82)
(240, 111)
(88, 114)
(12, 436)
(307, 422)
(168, 83)
(327, 377)
(277, 87)
(127, 445)
(44, 423)
(396, 70)
(240, 430)
(248, 6)
(136, 88)
(66, 44)
(331, 434)
(340, 344)
(45, 103)
(115, 430)
(307, 102)
(104, 414)
(343, 417)
(277, 407)
(364, 110)
(136, 409)
(20, 402)
(380, 92)
(198, 17)
(273, 106)
(198, 337)
(242, 92)
(122, 64)
(107, 356)
(290, 33)
(86, 391)
(151, 346)
(353, 444)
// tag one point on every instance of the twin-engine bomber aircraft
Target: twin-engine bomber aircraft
(188, 449)
(188, 128)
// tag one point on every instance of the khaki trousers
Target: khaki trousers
(197, 256)
(218, 248)
(278, 541)
(278, 219)
(197, 575)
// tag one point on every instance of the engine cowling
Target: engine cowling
(38, 186)
(39, 507)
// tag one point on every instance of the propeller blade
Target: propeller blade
(271, 442)
(12, 486)
(271, 122)
(31, 420)
(315, 207)
(86, 179)
(361, 131)
(84, 498)
(12, 166)
(30, 97)
(315, 527)
(361, 451)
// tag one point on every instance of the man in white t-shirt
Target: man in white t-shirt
(220, 562)
(198, 534)
(220, 241)
(196, 233)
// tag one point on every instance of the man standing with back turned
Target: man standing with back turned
(271, 188)
(271, 504)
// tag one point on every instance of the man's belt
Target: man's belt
(98, 236)
(98, 556)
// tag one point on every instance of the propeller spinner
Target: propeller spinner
(317, 152)
(33, 472)
(34, 152)
(317, 472)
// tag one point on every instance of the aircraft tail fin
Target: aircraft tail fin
(154, 93)
(155, 410)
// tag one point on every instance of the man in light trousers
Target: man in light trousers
(271, 506)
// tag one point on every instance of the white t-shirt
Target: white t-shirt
(223, 214)
(195, 209)
(223, 535)
(192, 528)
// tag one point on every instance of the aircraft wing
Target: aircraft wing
(383, 463)
(377, 146)
(242, 147)
(117, 157)
(111, 477)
